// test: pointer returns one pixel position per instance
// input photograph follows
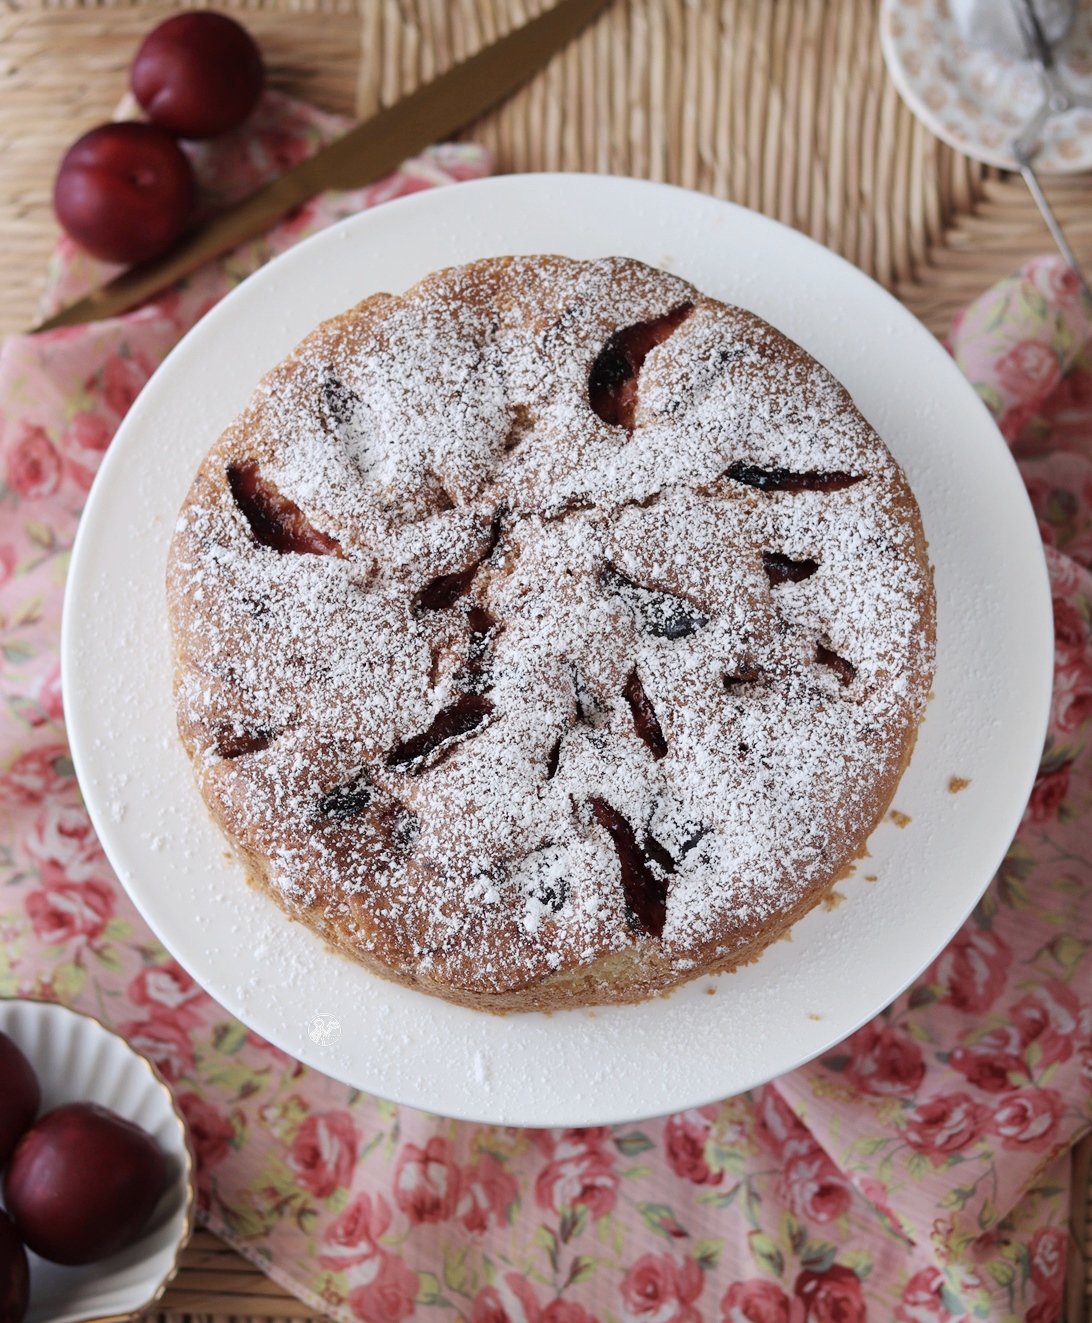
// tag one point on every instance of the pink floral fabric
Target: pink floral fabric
(918, 1172)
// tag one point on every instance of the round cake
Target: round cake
(549, 634)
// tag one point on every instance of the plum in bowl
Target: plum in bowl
(77, 1059)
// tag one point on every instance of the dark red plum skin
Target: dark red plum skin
(82, 1183)
(198, 75)
(124, 192)
(20, 1096)
(14, 1273)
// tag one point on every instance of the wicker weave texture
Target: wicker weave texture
(782, 107)
(216, 1283)
(785, 108)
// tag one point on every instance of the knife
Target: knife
(373, 149)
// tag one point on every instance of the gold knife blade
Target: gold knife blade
(366, 153)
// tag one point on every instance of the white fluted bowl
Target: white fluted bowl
(79, 1060)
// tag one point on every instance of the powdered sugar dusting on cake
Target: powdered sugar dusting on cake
(564, 689)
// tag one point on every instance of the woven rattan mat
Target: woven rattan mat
(783, 105)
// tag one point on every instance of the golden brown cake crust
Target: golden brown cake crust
(550, 634)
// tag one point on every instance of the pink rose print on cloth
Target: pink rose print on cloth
(760, 1301)
(120, 380)
(1046, 1258)
(566, 1311)
(993, 1062)
(486, 1195)
(579, 1172)
(426, 1182)
(1052, 1019)
(389, 1296)
(212, 1132)
(50, 702)
(7, 562)
(166, 1041)
(902, 1175)
(939, 1127)
(685, 1137)
(809, 1182)
(1049, 793)
(32, 466)
(1028, 370)
(1046, 1263)
(1017, 343)
(1028, 1119)
(662, 1288)
(973, 970)
(64, 845)
(383, 1289)
(353, 1238)
(167, 988)
(70, 911)
(813, 1187)
(45, 771)
(884, 1061)
(1073, 699)
(923, 1299)
(833, 1296)
(513, 1300)
(324, 1152)
(83, 444)
(1060, 487)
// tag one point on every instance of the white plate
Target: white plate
(976, 100)
(986, 723)
(77, 1059)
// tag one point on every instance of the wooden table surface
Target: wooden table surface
(215, 1282)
